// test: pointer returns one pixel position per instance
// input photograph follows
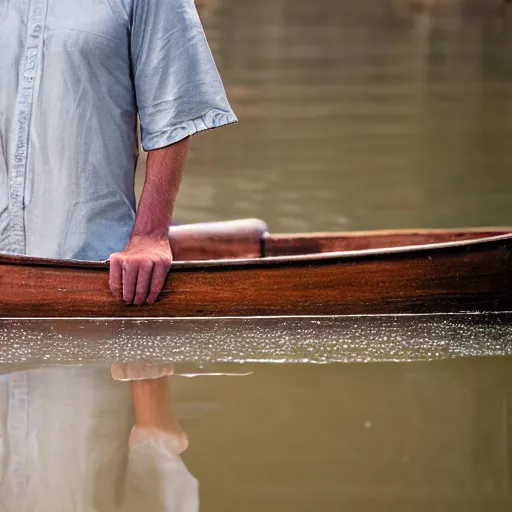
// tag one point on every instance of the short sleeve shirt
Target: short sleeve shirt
(77, 75)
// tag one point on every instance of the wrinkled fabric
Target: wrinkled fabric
(157, 471)
(75, 76)
(71, 453)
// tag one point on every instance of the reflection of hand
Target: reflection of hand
(152, 401)
(137, 274)
(135, 371)
(173, 440)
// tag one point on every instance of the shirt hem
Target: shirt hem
(214, 118)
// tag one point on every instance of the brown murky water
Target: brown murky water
(376, 437)
(353, 115)
(356, 114)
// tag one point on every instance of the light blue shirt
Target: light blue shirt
(74, 75)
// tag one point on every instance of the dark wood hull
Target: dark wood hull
(472, 275)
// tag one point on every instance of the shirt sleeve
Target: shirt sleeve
(178, 89)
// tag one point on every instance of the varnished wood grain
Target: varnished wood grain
(467, 276)
(287, 244)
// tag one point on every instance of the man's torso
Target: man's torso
(67, 128)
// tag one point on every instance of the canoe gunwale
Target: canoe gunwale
(278, 261)
(453, 276)
(498, 230)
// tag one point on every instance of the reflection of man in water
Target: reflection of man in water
(75, 76)
(67, 444)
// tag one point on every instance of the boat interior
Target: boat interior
(250, 238)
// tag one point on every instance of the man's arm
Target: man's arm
(138, 273)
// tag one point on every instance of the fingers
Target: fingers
(143, 282)
(140, 371)
(116, 276)
(137, 282)
(159, 276)
(130, 273)
(137, 275)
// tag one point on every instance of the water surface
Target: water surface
(358, 115)
(353, 115)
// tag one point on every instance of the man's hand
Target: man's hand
(137, 274)
(138, 371)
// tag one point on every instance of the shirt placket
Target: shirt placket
(31, 71)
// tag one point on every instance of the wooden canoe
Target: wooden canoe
(237, 269)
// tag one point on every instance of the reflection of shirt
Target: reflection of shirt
(74, 75)
(64, 448)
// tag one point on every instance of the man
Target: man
(75, 76)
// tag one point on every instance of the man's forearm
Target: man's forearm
(164, 171)
(138, 273)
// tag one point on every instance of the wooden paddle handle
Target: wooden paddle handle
(218, 240)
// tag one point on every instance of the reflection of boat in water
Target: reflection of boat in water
(238, 269)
